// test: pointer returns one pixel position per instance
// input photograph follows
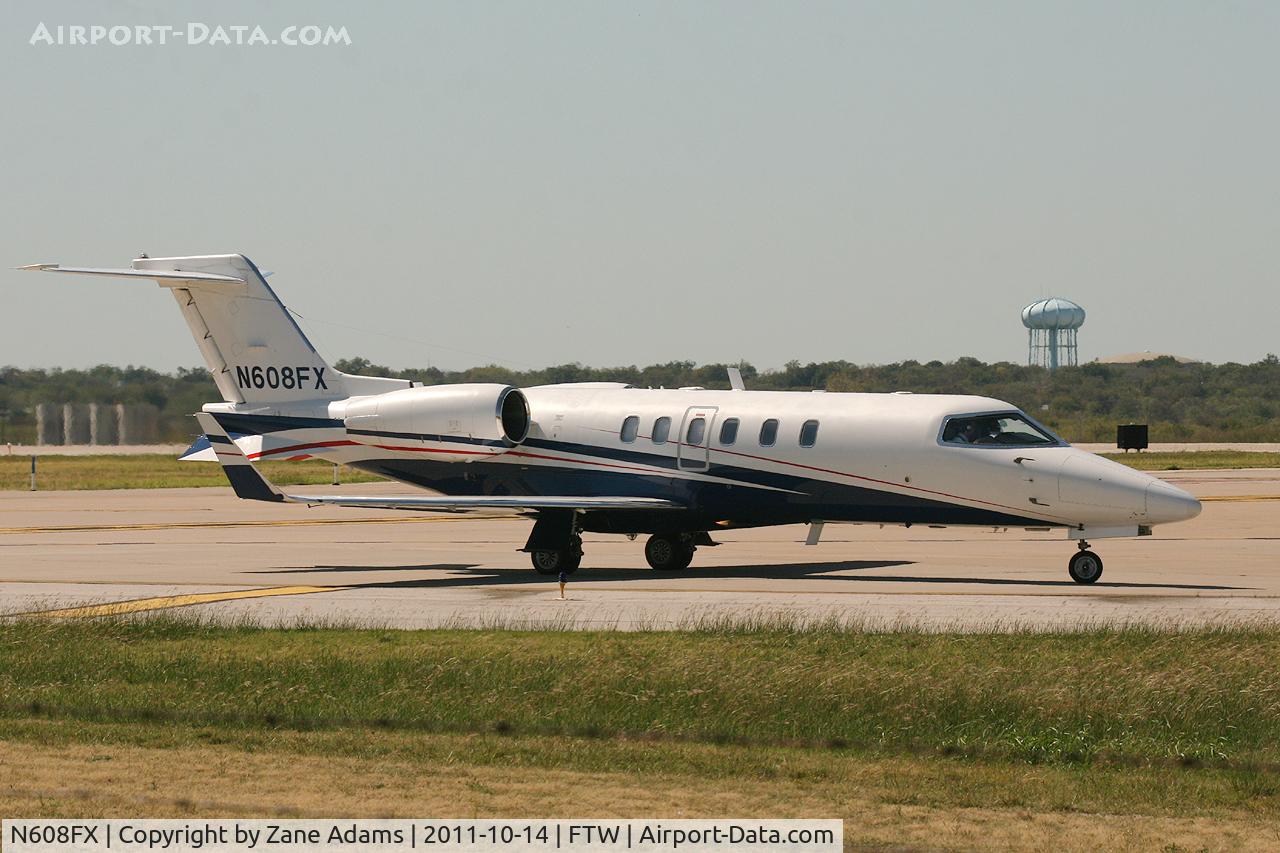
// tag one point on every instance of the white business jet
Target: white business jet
(609, 458)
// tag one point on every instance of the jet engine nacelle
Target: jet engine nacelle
(493, 416)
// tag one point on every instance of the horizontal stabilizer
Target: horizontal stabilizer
(176, 276)
(249, 483)
(201, 450)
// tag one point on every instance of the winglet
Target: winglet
(735, 379)
(245, 479)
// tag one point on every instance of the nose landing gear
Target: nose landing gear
(1084, 566)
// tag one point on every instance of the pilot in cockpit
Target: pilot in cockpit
(977, 431)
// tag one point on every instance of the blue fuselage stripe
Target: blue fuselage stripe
(752, 497)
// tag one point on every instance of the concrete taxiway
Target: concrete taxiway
(83, 554)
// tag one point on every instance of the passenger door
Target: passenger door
(695, 438)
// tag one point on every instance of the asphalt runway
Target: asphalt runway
(83, 554)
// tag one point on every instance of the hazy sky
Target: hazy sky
(622, 182)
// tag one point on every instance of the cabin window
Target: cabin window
(696, 432)
(1002, 429)
(769, 432)
(729, 431)
(630, 427)
(809, 434)
(661, 429)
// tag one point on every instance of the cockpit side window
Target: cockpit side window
(1001, 429)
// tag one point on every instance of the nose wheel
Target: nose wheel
(1085, 566)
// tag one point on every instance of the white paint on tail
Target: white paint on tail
(256, 351)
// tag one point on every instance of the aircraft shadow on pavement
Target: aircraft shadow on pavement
(471, 575)
(314, 570)
(1029, 582)
(466, 575)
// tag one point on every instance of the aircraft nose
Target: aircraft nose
(1166, 503)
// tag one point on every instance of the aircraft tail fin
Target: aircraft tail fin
(252, 345)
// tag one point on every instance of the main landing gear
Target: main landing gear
(665, 552)
(555, 545)
(669, 552)
(1085, 566)
(554, 562)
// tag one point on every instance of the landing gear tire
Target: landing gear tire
(1085, 567)
(555, 562)
(669, 553)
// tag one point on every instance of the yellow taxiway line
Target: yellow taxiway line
(168, 602)
(165, 602)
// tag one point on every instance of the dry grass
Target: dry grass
(1110, 739)
(882, 801)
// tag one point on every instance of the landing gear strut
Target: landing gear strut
(564, 560)
(554, 544)
(668, 552)
(1084, 566)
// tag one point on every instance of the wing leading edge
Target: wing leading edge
(249, 483)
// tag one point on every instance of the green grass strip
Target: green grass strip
(1120, 695)
(154, 471)
(1197, 459)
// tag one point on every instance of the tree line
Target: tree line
(1180, 402)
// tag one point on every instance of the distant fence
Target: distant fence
(97, 423)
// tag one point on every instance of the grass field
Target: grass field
(1111, 737)
(160, 471)
(154, 471)
(1196, 459)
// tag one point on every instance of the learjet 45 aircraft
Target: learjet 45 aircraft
(605, 457)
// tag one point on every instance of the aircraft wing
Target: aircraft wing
(444, 503)
(249, 483)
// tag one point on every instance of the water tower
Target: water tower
(1052, 325)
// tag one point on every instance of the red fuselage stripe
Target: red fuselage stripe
(293, 448)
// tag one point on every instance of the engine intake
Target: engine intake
(493, 415)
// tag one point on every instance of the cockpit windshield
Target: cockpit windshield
(1003, 429)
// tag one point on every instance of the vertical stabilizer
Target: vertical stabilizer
(252, 345)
